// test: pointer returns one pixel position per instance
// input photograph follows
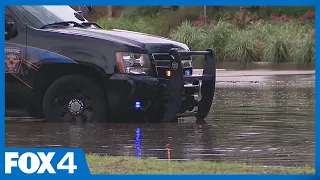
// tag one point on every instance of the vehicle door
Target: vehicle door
(15, 51)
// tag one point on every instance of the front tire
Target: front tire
(74, 98)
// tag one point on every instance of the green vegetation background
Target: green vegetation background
(253, 36)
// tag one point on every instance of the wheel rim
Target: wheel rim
(74, 104)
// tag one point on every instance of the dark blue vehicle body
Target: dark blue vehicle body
(38, 55)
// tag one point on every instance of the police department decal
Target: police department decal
(175, 65)
(13, 58)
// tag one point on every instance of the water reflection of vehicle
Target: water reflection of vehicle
(138, 142)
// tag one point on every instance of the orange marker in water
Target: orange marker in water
(168, 152)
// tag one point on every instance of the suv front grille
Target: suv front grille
(162, 64)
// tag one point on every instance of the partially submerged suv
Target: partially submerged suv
(62, 67)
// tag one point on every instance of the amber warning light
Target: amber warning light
(168, 73)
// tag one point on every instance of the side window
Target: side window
(7, 20)
(11, 30)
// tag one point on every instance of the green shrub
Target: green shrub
(193, 36)
(288, 42)
(218, 37)
(159, 23)
(304, 50)
(276, 43)
(133, 12)
(268, 42)
(293, 11)
(144, 25)
(243, 47)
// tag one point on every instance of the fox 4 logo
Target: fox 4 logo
(39, 162)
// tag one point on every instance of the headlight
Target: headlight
(133, 63)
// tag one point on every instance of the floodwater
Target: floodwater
(269, 120)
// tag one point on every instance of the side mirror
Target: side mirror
(79, 16)
(11, 30)
(85, 9)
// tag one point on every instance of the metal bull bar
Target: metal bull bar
(175, 86)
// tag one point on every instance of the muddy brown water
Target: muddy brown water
(269, 121)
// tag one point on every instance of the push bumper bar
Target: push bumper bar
(175, 85)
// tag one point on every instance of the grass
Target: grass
(131, 165)
(276, 43)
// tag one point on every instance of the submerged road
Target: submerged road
(259, 116)
(252, 75)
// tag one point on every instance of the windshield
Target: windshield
(38, 16)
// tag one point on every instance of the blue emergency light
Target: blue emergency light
(187, 73)
(137, 105)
